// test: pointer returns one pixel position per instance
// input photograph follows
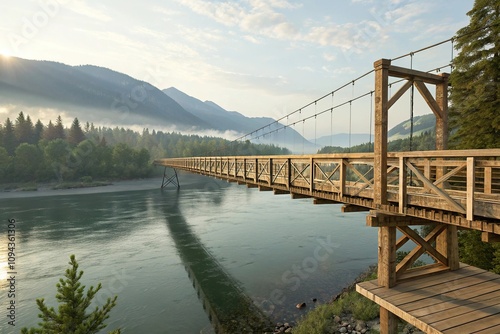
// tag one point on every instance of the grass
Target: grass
(321, 319)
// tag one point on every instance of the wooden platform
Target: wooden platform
(463, 301)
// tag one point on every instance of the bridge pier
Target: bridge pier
(170, 179)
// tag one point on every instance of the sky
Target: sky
(260, 58)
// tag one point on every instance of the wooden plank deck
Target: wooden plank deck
(466, 300)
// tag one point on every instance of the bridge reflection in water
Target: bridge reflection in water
(229, 309)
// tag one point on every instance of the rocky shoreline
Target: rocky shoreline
(345, 322)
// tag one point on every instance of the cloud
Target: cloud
(82, 8)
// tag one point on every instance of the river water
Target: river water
(176, 257)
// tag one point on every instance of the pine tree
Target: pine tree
(23, 129)
(9, 138)
(59, 129)
(50, 133)
(76, 135)
(71, 317)
(475, 93)
(38, 132)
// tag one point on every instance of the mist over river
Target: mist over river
(172, 257)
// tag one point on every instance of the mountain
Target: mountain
(420, 124)
(223, 120)
(91, 93)
(343, 140)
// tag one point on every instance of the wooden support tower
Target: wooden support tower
(443, 236)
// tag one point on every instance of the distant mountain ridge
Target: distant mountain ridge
(97, 94)
(100, 92)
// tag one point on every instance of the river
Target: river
(176, 257)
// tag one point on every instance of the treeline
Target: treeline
(423, 142)
(41, 153)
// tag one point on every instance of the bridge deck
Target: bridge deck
(460, 188)
(463, 301)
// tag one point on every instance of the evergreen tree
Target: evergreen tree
(23, 129)
(38, 132)
(9, 138)
(59, 129)
(76, 135)
(475, 93)
(50, 133)
(71, 317)
(31, 127)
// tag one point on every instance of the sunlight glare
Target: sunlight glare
(5, 54)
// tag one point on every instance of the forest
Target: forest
(52, 153)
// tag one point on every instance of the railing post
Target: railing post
(289, 173)
(471, 185)
(342, 178)
(402, 185)
(311, 184)
(487, 180)
(244, 169)
(270, 171)
(256, 170)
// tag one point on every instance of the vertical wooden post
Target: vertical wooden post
(386, 235)
(289, 173)
(442, 122)
(487, 180)
(244, 169)
(387, 274)
(342, 178)
(256, 170)
(270, 171)
(447, 244)
(380, 145)
(402, 185)
(471, 182)
(311, 176)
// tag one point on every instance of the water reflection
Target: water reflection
(92, 214)
(229, 309)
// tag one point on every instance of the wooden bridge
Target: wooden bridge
(447, 189)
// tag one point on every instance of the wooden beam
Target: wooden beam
(264, 188)
(353, 208)
(406, 73)
(490, 237)
(373, 220)
(399, 93)
(431, 102)
(299, 196)
(424, 243)
(324, 201)
(281, 192)
(252, 185)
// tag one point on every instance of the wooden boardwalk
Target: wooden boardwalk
(466, 300)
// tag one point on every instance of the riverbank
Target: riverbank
(21, 190)
(347, 312)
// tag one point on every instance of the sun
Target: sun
(5, 54)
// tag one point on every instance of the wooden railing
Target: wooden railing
(463, 183)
